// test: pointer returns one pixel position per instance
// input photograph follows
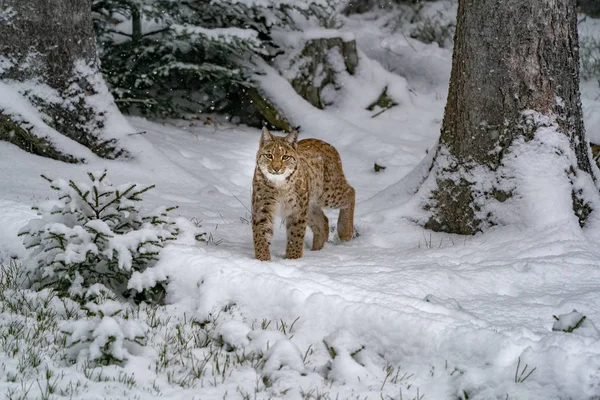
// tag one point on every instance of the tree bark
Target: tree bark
(51, 43)
(510, 56)
(136, 23)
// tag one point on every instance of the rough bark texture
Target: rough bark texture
(136, 24)
(317, 71)
(509, 56)
(43, 41)
(50, 36)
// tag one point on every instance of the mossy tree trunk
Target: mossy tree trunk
(510, 57)
(49, 56)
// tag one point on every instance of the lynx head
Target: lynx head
(277, 157)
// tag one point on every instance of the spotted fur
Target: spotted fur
(302, 178)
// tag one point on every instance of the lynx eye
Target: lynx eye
(284, 158)
(269, 156)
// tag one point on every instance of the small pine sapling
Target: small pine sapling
(107, 335)
(96, 233)
(570, 322)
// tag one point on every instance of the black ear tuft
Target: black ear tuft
(265, 135)
(292, 138)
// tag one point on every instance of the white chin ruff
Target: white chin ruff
(278, 180)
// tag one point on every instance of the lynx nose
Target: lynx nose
(277, 167)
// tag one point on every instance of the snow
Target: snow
(18, 107)
(589, 34)
(384, 39)
(283, 354)
(311, 34)
(574, 320)
(299, 4)
(227, 35)
(15, 101)
(399, 312)
(88, 339)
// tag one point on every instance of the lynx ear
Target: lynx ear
(292, 138)
(265, 135)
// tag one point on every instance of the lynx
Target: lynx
(298, 178)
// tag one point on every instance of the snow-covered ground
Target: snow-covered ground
(399, 312)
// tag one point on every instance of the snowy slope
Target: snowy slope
(399, 312)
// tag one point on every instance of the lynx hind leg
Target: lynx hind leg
(296, 229)
(345, 225)
(319, 225)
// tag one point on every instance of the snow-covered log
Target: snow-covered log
(323, 54)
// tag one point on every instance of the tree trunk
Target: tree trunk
(136, 23)
(513, 62)
(49, 58)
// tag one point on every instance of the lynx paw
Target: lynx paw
(263, 256)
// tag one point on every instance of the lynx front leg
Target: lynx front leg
(296, 228)
(262, 228)
(346, 219)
